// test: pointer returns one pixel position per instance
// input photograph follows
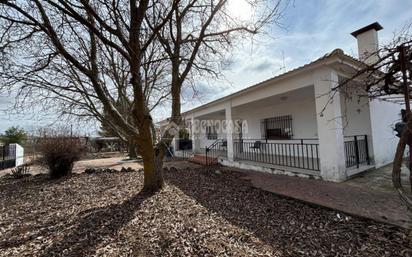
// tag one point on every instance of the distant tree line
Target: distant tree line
(13, 135)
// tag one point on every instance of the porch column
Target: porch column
(330, 129)
(195, 136)
(229, 131)
(175, 144)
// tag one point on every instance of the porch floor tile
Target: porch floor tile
(349, 197)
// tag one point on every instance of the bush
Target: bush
(21, 171)
(59, 153)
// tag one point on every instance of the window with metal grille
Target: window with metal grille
(211, 132)
(277, 127)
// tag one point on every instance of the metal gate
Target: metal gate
(356, 151)
(7, 156)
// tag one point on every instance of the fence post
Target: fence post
(303, 153)
(367, 150)
(356, 151)
(206, 150)
(3, 154)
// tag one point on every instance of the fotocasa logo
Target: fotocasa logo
(218, 126)
(208, 126)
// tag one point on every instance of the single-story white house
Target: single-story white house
(296, 124)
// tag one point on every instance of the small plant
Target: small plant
(21, 171)
(108, 170)
(59, 152)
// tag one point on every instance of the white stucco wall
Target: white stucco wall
(330, 126)
(368, 44)
(19, 155)
(303, 114)
(201, 136)
(204, 142)
(356, 118)
(243, 106)
(384, 115)
(302, 109)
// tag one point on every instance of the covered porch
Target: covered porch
(300, 128)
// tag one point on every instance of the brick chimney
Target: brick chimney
(368, 43)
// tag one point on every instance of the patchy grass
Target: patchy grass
(197, 214)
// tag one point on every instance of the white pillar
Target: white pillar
(175, 144)
(330, 129)
(195, 136)
(229, 131)
(19, 154)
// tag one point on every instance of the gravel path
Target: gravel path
(197, 214)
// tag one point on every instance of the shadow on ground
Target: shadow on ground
(206, 212)
(81, 235)
(290, 226)
(93, 226)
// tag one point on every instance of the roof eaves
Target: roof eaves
(338, 53)
(335, 53)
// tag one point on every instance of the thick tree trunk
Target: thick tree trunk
(397, 163)
(153, 170)
(132, 150)
(152, 161)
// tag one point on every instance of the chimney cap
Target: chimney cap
(376, 26)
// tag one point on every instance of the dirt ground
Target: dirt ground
(198, 213)
(80, 166)
(116, 163)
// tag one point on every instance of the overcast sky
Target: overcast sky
(310, 30)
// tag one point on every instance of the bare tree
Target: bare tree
(115, 61)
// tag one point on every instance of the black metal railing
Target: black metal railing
(184, 153)
(7, 156)
(356, 151)
(216, 149)
(184, 144)
(296, 153)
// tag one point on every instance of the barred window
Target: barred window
(277, 127)
(211, 132)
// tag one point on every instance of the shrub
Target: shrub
(59, 152)
(21, 171)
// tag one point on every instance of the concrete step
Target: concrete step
(201, 159)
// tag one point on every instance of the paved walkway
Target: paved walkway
(355, 198)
